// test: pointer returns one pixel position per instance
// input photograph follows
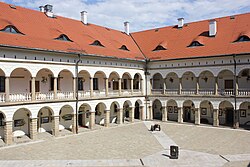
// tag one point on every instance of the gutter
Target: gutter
(76, 87)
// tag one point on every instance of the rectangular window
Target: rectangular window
(2, 84)
(52, 83)
(95, 83)
(80, 84)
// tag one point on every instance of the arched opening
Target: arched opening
(172, 108)
(126, 83)
(66, 119)
(137, 111)
(113, 83)
(158, 82)
(226, 113)
(206, 83)
(20, 85)
(100, 113)
(226, 82)
(64, 85)
(83, 84)
(2, 124)
(126, 108)
(157, 110)
(243, 82)
(21, 124)
(84, 116)
(2, 86)
(188, 111)
(206, 112)
(188, 83)
(44, 121)
(172, 83)
(43, 85)
(99, 83)
(137, 82)
(244, 114)
(113, 112)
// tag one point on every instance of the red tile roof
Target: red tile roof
(177, 40)
(40, 32)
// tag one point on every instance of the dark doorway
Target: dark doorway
(229, 116)
(137, 110)
(187, 114)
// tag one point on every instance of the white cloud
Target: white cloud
(143, 14)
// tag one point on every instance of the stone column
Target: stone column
(74, 87)
(180, 115)
(33, 128)
(55, 126)
(150, 113)
(216, 86)
(164, 114)
(120, 86)
(180, 86)
(91, 87)
(142, 86)
(55, 88)
(107, 118)
(151, 86)
(215, 117)
(120, 116)
(33, 88)
(131, 114)
(92, 120)
(74, 123)
(164, 86)
(197, 85)
(131, 86)
(236, 86)
(142, 117)
(106, 86)
(197, 116)
(8, 132)
(7, 89)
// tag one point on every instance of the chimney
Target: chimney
(84, 18)
(48, 10)
(41, 8)
(180, 22)
(212, 28)
(126, 27)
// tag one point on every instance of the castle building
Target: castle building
(58, 73)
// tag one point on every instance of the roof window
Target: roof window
(243, 38)
(195, 43)
(63, 37)
(159, 47)
(124, 47)
(97, 43)
(11, 29)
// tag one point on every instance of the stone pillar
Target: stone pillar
(131, 86)
(74, 87)
(33, 88)
(7, 89)
(197, 85)
(8, 132)
(120, 116)
(180, 86)
(215, 117)
(180, 115)
(164, 114)
(107, 118)
(33, 128)
(120, 86)
(197, 116)
(151, 86)
(106, 86)
(216, 86)
(142, 86)
(150, 113)
(131, 114)
(55, 88)
(74, 123)
(55, 126)
(164, 86)
(142, 117)
(91, 87)
(236, 86)
(92, 120)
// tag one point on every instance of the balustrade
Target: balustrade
(2, 97)
(45, 96)
(14, 97)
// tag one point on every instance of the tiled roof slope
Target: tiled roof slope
(39, 33)
(176, 40)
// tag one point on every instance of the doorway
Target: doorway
(187, 114)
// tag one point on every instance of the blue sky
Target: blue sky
(142, 14)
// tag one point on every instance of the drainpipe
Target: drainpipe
(77, 99)
(236, 114)
(146, 86)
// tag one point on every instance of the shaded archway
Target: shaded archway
(2, 125)
(206, 83)
(158, 82)
(65, 85)
(188, 83)
(44, 121)
(84, 115)
(2, 86)
(243, 82)
(172, 83)
(99, 83)
(21, 122)
(244, 115)
(226, 113)
(113, 83)
(137, 82)
(66, 118)
(126, 108)
(188, 111)
(206, 112)
(114, 112)
(226, 82)
(172, 109)
(157, 110)
(83, 83)
(100, 113)
(126, 82)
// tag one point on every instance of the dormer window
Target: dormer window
(123, 47)
(243, 38)
(97, 43)
(159, 47)
(63, 37)
(195, 43)
(11, 29)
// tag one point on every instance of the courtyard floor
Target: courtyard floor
(134, 145)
